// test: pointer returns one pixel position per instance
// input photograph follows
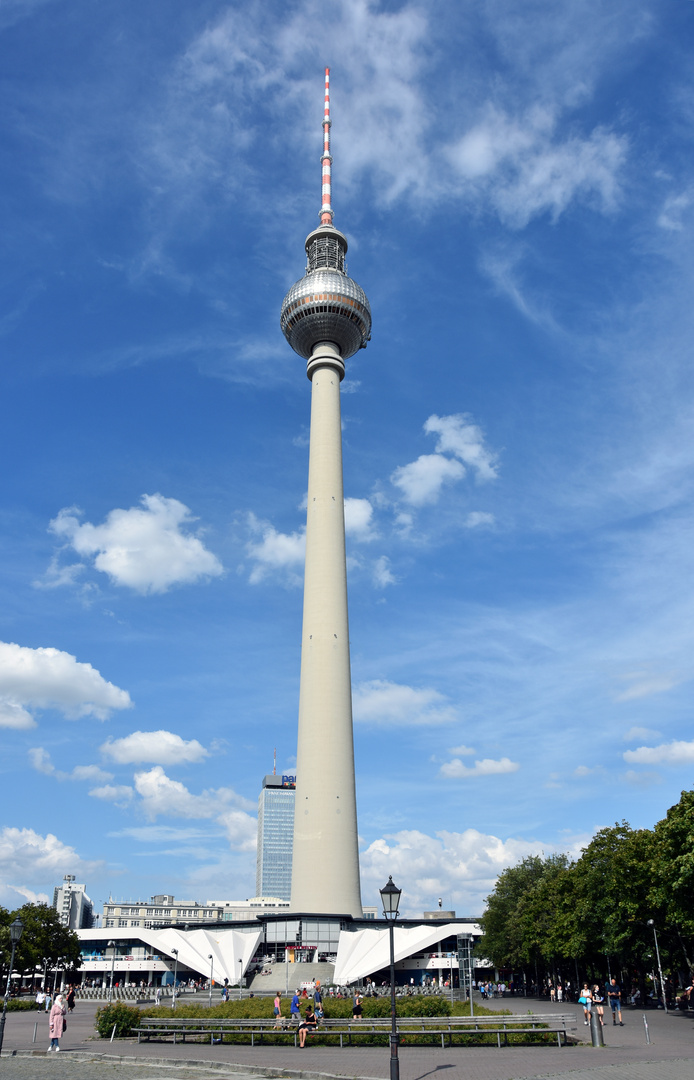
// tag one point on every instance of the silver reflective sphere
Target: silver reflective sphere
(326, 305)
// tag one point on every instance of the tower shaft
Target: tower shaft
(325, 867)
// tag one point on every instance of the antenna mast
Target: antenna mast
(326, 210)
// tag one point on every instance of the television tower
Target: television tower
(325, 318)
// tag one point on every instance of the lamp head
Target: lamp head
(16, 929)
(390, 898)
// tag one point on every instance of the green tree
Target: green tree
(43, 940)
(673, 877)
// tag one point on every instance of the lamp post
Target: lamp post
(211, 959)
(112, 947)
(174, 952)
(660, 970)
(15, 934)
(390, 898)
(240, 975)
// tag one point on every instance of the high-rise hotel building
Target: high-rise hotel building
(273, 875)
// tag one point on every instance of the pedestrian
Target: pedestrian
(586, 1000)
(598, 1002)
(277, 1009)
(48, 1001)
(57, 1024)
(40, 998)
(306, 1025)
(70, 999)
(551, 992)
(157, 996)
(317, 998)
(294, 1009)
(614, 996)
(356, 1006)
(560, 992)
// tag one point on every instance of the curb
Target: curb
(193, 1063)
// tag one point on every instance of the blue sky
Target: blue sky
(515, 180)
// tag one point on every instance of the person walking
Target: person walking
(57, 1024)
(40, 998)
(614, 996)
(356, 1006)
(48, 1001)
(598, 1003)
(277, 1009)
(294, 1008)
(70, 999)
(586, 1000)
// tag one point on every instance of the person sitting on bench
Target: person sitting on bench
(307, 1024)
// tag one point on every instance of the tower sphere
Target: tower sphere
(326, 305)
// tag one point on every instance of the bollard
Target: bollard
(596, 1035)
(645, 1024)
(35, 1030)
(113, 1032)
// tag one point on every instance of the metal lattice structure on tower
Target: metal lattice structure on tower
(325, 318)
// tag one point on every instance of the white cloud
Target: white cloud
(41, 761)
(644, 684)
(146, 548)
(276, 552)
(635, 733)
(674, 207)
(672, 753)
(162, 796)
(13, 715)
(461, 751)
(462, 867)
(422, 480)
(486, 767)
(465, 440)
(120, 794)
(359, 519)
(479, 519)
(47, 678)
(382, 573)
(28, 858)
(384, 703)
(519, 167)
(162, 747)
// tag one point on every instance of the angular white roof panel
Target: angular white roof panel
(361, 953)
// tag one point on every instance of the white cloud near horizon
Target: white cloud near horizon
(47, 678)
(486, 767)
(159, 747)
(28, 858)
(380, 702)
(147, 548)
(640, 733)
(677, 752)
(462, 867)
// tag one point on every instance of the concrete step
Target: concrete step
(287, 977)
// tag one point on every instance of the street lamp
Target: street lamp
(660, 970)
(211, 959)
(112, 947)
(390, 898)
(15, 933)
(174, 952)
(240, 975)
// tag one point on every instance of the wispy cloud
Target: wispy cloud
(382, 702)
(455, 769)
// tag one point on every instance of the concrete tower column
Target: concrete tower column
(325, 868)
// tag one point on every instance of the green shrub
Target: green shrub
(125, 1017)
(22, 1005)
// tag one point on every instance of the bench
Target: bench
(439, 1027)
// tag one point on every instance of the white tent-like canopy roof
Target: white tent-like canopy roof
(365, 951)
(232, 950)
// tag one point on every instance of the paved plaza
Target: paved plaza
(84, 1056)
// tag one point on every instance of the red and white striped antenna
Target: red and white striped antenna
(326, 210)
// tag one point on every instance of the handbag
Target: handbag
(64, 1025)
(581, 1001)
